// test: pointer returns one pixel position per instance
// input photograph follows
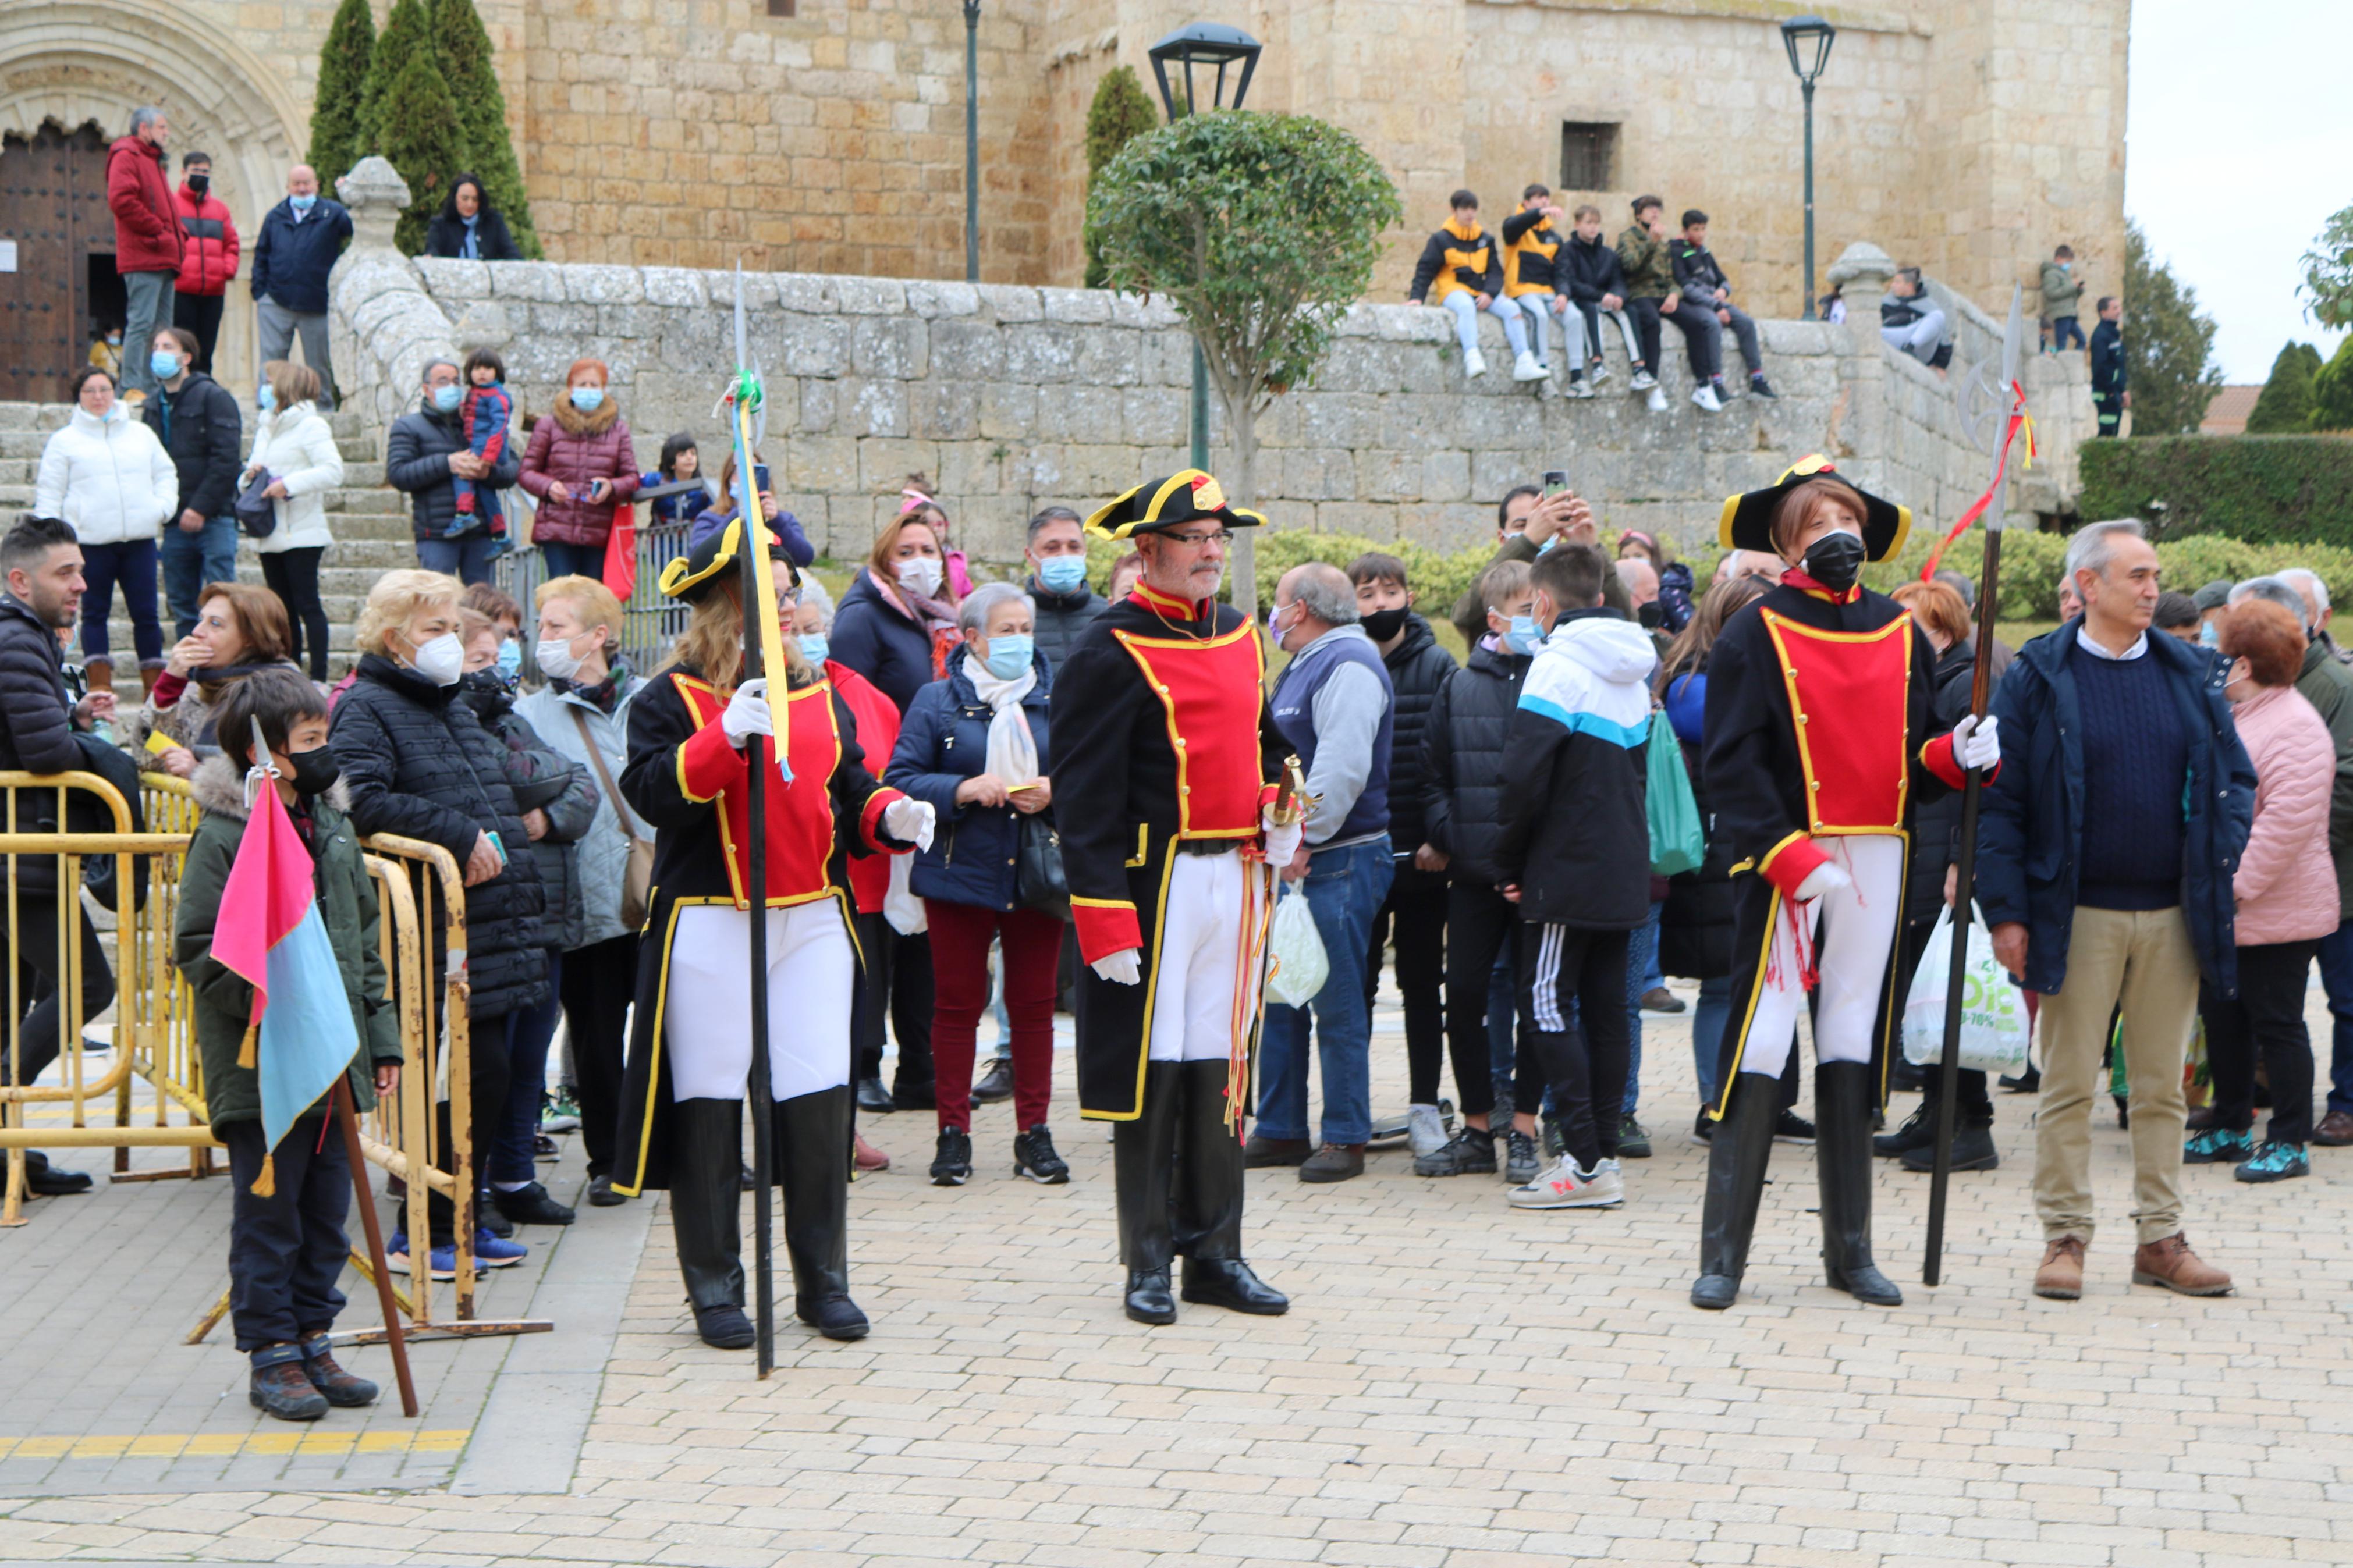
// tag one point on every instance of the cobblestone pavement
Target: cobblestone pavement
(1457, 1385)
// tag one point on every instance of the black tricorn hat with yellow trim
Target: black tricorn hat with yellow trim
(715, 555)
(1186, 496)
(1747, 521)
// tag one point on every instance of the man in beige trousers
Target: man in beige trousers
(2104, 858)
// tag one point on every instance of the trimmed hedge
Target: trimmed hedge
(2263, 489)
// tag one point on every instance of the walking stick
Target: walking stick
(1949, 1070)
(394, 1335)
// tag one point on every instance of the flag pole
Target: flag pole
(395, 1337)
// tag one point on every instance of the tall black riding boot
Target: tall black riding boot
(1843, 1107)
(812, 1150)
(1208, 1232)
(706, 1141)
(1736, 1157)
(1143, 1160)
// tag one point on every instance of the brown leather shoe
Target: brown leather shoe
(2335, 1129)
(1334, 1163)
(2170, 1262)
(2061, 1278)
(2200, 1119)
(1261, 1151)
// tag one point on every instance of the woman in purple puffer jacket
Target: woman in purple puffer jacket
(579, 467)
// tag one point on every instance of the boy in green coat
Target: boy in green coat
(287, 1249)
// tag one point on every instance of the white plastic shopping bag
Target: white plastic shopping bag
(1993, 1009)
(1300, 963)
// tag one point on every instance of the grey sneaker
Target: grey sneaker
(1643, 381)
(1520, 1159)
(1562, 1185)
(1633, 1140)
(1425, 1129)
(1472, 1152)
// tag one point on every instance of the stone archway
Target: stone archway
(97, 60)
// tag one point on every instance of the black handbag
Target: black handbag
(1038, 881)
(257, 515)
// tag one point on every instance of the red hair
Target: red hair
(604, 377)
(2268, 637)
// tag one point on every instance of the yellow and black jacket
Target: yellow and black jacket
(1455, 259)
(1531, 249)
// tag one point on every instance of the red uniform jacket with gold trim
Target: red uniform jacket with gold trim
(1821, 724)
(1161, 732)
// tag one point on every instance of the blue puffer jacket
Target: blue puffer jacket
(945, 742)
(2030, 832)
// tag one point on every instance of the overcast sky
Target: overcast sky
(2239, 145)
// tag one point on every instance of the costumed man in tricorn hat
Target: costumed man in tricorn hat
(690, 1043)
(1820, 735)
(1167, 830)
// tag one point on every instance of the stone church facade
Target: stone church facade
(1966, 136)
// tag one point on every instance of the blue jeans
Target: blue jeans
(1708, 1016)
(2337, 979)
(2065, 327)
(1653, 977)
(1465, 305)
(573, 560)
(1345, 890)
(192, 560)
(467, 557)
(133, 564)
(529, 1033)
(1641, 957)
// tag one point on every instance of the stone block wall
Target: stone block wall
(1009, 398)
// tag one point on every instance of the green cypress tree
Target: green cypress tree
(2332, 390)
(1119, 112)
(407, 32)
(2284, 406)
(463, 47)
(2168, 344)
(343, 62)
(422, 140)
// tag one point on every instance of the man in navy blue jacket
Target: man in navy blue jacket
(2104, 859)
(301, 238)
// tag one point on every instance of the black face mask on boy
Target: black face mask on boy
(1835, 561)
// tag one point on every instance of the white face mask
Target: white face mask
(440, 659)
(919, 574)
(554, 659)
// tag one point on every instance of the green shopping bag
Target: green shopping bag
(1678, 843)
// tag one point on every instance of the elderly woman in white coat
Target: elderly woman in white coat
(294, 447)
(106, 474)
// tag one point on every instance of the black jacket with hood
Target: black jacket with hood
(1418, 671)
(201, 428)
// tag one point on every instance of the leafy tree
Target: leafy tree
(2168, 345)
(2329, 272)
(1120, 113)
(2332, 390)
(423, 140)
(1262, 229)
(2284, 406)
(407, 32)
(463, 48)
(343, 62)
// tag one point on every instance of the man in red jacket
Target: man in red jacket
(147, 246)
(209, 258)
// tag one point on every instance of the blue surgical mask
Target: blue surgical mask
(814, 647)
(447, 397)
(2210, 635)
(302, 203)
(1008, 655)
(586, 398)
(267, 398)
(1062, 574)
(164, 366)
(510, 661)
(1523, 638)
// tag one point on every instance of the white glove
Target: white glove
(1977, 744)
(910, 821)
(1281, 843)
(1826, 877)
(747, 713)
(1124, 968)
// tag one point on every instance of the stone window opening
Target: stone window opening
(783, 7)
(1589, 152)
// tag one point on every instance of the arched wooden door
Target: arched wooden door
(64, 289)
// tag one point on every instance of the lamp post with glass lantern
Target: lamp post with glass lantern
(1808, 40)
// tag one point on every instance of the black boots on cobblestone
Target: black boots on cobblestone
(1842, 1110)
(811, 1148)
(1178, 1171)
(1143, 1168)
(812, 1153)
(1736, 1158)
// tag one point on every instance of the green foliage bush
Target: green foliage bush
(407, 34)
(462, 49)
(1120, 111)
(422, 139)
(2285, 406)
(2332, 390)
(343, 60)
(2265, 489)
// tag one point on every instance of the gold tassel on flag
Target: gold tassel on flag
(245, 1052)
(265, 1185)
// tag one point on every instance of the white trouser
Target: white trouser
(1465, 305)
(1856, 933)
(1920, 339)
(1539, 309)
(707, 1004)
(1193, 984)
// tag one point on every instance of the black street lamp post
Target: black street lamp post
(1808, 40)
(972, 140)
(1206, 45)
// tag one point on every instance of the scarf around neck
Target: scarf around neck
(1012, 750)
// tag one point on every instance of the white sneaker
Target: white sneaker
(1599, 373)
(1425, 1129)
(1577, 389)
(1475, 365)
(1658, 399)
(1561, 1186)
(1704, 396)
(1643, 381)
(1526, 368)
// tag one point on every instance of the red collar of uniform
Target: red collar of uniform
(1796, 578)
(1162, 604)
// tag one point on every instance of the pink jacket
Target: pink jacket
(578, 449)
(2286, 884)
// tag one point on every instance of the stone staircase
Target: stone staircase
(370, 521)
